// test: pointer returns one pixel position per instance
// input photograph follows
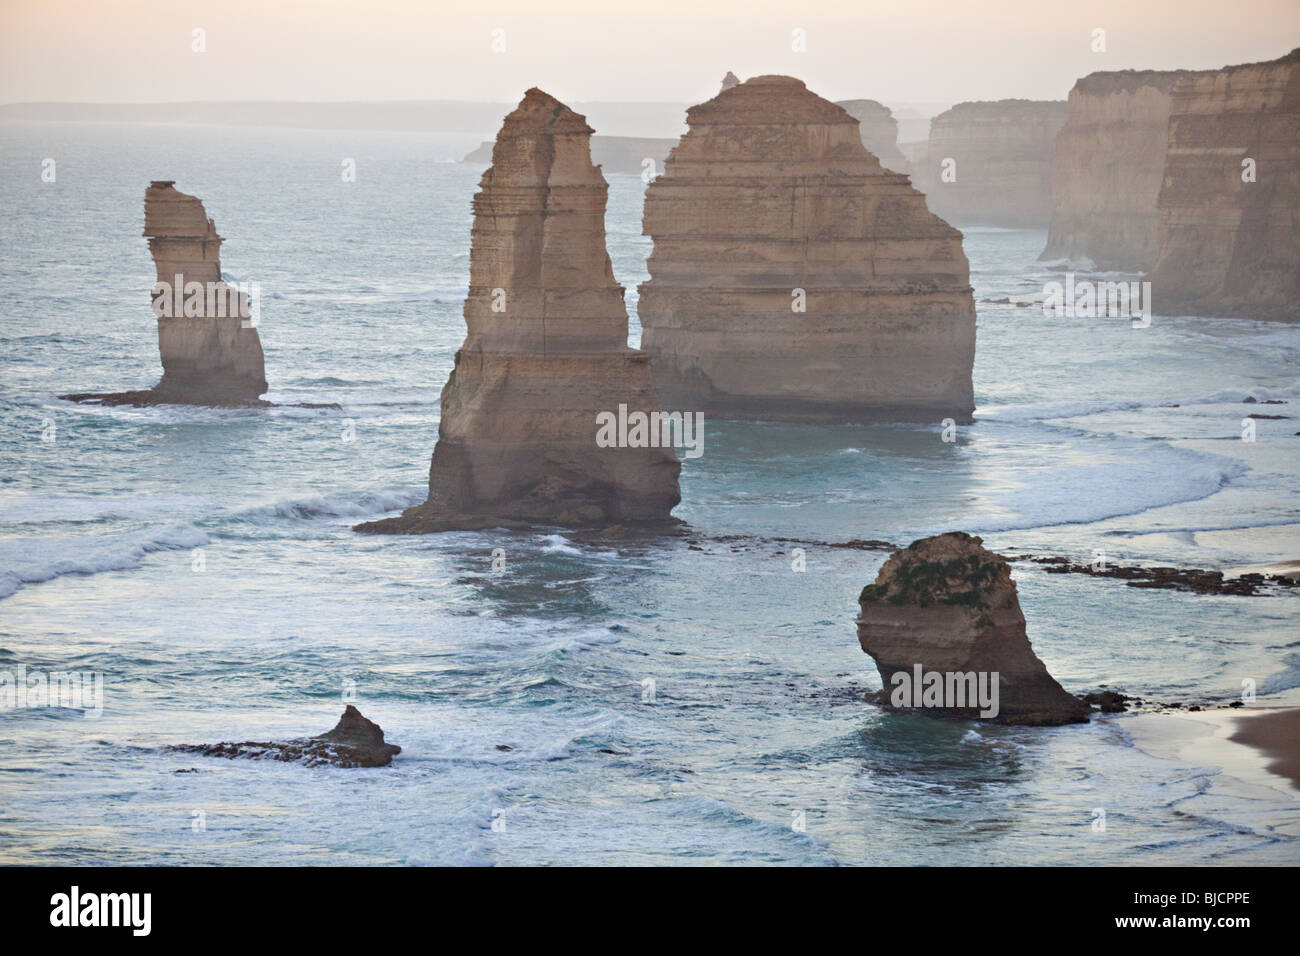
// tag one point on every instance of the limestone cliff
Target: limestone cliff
(1229, 204)
(1107, 168)
(795, 278)
(546, 352)
(944, 605)
(207, 340)
(879, 132)
(990, 163)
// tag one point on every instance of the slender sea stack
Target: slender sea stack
(990, 163)
(794, 278)
(944, 615)
(546, 353)
(1107, 169)
(207, 339)
(1229, 206)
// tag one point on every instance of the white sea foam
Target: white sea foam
(1137, 478)
(557, 544)
(345, 505)
(28, 560)
(37, 509)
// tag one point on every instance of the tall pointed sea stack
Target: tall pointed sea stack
(207, 337)
(1229, 205)
(794, 278)
(545, 355)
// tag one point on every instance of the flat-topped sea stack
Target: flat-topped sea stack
(1229, 204)
(1107, 169)
(545, 355)
(794, 278)
(879, 132)
(207, 336)
(945, 606)
(990, 163)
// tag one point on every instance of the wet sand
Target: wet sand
(1247, 774)
(1276, 734)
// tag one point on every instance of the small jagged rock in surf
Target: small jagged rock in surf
(354, 742)
(546, 354)
(943, 624)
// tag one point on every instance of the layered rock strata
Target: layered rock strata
(946, 606)
(795, 278)
(613, 154)
(879, 132)
(1107, 169)
(354, 742)
(207, 337)
(1228, 238)
(990, 163)
(545, 355)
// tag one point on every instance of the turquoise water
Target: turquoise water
(1090, 435)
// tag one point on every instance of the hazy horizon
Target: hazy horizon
(74, 51)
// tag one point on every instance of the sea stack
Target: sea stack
(794, 278)
(946, 606)
(207, 336)
(990, 163)
(546, 353)
(1229, 206)
(1107, 169)
(879, 132)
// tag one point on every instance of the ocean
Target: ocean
(660, 704)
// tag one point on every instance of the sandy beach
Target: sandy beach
(1276, 734)
(1257, 752)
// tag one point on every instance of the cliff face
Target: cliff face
(945, 605)
(794, 278)
(1107, 169)
(1227, 246)
(879, 132)
(210, 350)
(546, 352)
(1001, 163)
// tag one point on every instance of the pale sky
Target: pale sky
(898, 51)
